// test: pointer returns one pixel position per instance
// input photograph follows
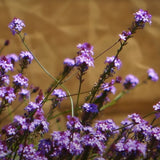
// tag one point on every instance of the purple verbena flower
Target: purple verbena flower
(69, 62)
(135, 118)
(5, 65)
(96, 141)
(45, 147)
(9, 94)
(40, 125)
(4, 80)
(107, 126)
(23, 94)
(73, 123)
(27, 152)
(4, 151)
(21, 121)
(142, 16)
(88, 107)
(152, 74)
(59, 93)
(85, 55)
(115, 62)
(13, 57)
(20, 80)
(16, 26)
(26, 58)
(130, 81)
(124, 35)
(32, 107)
(109, 87)
(156, 133)
(156, 107)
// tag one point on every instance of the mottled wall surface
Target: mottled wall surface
(55, 27)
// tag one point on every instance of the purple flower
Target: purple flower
(9, 130)
(133, 146)
(59, 93)
(23, 94)
(73, 123)
(25, 57)
(9, 94)
(5, 65)
(152, 74)
(130, 81)
(96, 141)
(32, 107)
(38, 124)
(85, 55)
(135, 118)
(88, 107)
(156, 107)
(124, 35)
(85, 48)
(4, 79)
(28, 151)
(108, 87)
(16, 26)
(107, 126)
(20, 80)
(21, 121)
(13, 57)
(156, 133)
(142, 16)
(4, 151)
(117, 62)
(69, 62)
(45, 147)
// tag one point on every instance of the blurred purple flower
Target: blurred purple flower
(124, 35)
(117, 62)
(16, 26)
(88, 107)
(69, 62)
(130, 81)
(152, 74)
(20, 80)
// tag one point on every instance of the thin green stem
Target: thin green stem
(43, 68)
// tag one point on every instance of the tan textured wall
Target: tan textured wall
(55, 27)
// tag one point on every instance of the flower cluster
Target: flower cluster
(85, 137)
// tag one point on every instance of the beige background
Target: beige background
(55, 27)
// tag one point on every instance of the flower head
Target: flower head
(25, 58)
(69, 62)
(142, 16)
(84, 57)
(88, 107)
(152, 74)
(20, 80)
(59, 93)
(5, 65)
(130, 81)
(16, 26)
(124, 35)
(114, 61)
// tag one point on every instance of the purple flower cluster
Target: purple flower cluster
(124, 35)
(85, 55)
(130, 81)
(114, 61)
(20, 80)
(25, 58)
(152, 74)
(16, 26)
(5, 65)
(142, 16)
(156, 107)
(69, 62)
(88, 107)
(59, 93)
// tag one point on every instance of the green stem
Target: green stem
(79, 90)
(43, 68)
